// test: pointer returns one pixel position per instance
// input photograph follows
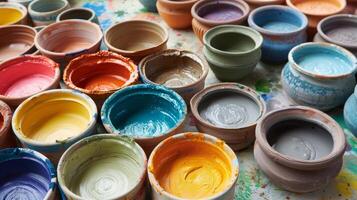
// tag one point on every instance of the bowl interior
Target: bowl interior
(25, 76)
(318, 7)
(76, 14)
(10, 15)
(341, 30)
(220, 12)
(43, 6)
(239, 42)
(2, 121)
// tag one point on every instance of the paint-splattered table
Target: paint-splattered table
(252, 183)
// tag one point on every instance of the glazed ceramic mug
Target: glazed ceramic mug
(44, 12)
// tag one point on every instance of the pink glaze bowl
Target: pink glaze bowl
(24, 76)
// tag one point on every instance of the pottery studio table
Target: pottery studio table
(252, 183)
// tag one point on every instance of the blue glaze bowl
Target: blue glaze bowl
(350, 112)
(147, 113)
(150, 5)
(319, 75)
(26, 174)
(282, 29)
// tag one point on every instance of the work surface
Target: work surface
(252, 183)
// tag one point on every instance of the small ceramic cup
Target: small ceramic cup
(234, 60)
(258, 3)
(340, 30)
(150, 5)
(65, 40)
(7, 139)
(23, 2)
(182, 71)
(350, 112)
(78, 13)
(12, 13)
(282, 28)
(299, 164)
(229, 111)
(319, 75)
(21, 77)
(136, 38)
(210, 13)
(44, 12)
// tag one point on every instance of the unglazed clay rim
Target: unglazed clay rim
(243, 90)
(91, 124)
(102, 136)
(337, 136)
(72, 22)
(33, 12)
(58, 18)
(142, 67)
(339, 17)
(295, 12)
(38, 156)
(343, 5)
(346, 53)
(53, 65)
(193, 136)
(258, 40)
(6, 113)
(17, 6)
(117, 25)
(134, 76)
(108, 125)
(240, 4)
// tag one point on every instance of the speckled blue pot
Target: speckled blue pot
(150, 5)
(350, 113)
(282, 28)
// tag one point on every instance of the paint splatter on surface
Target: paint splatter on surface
(252, 183)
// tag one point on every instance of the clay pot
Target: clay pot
(282, 28)
(7, 138)
(16, 40)
(350, 112)
(339, 30)
(217, 114)
(136, 38)
(181, 71)
(210, 13)
(100, 74)
(291, 172)
(258, 3)
(325, 84)
(12, 13)
(150, 5)
(21, 77)
(234, 60)
(65, 40)
(317, 10)
(78, 13)
(176, 14)
(44, 12)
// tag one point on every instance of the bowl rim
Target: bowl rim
(100, 136)
(93, 15)
(142, 67)
(206, 138)
(246, 91)
(17, 6)
(34, 12)
(70, 21)
(91, 124)
(343, 5)
(178, 2)
(302, 17)
(6, 114)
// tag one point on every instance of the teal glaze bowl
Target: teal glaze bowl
(233, 60)
(350, 112)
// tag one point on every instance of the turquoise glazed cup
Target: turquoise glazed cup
(150, 5)
(282, 28)
(233, 60)
(319, 75)
(44, 12)
(350, 112)
(148, 113)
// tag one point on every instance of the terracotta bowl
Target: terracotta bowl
(65, 40)
(12, 13)
(7, 139)
(16, 40)
(136, 38)
(258, 3)
(181, 71)
(217, 115)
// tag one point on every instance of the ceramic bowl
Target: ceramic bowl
(339, 30)
(7, 139)
(234, 60)
(21, 77)
(210, 13)
(78, 13)
(217, 114)
(150, 5)
(350, 112)
(100, 74)
(258, 3)
(314, 77)
(51, 121)
(282, 28)
(16, 40)
(148, 113)
(65, 40)
(23, 2)
(12, 13)
(176, 14)
(44, 12)
(290, 172)
(179, 70)
(136, 38)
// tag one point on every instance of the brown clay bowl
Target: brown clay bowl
(7, 139)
